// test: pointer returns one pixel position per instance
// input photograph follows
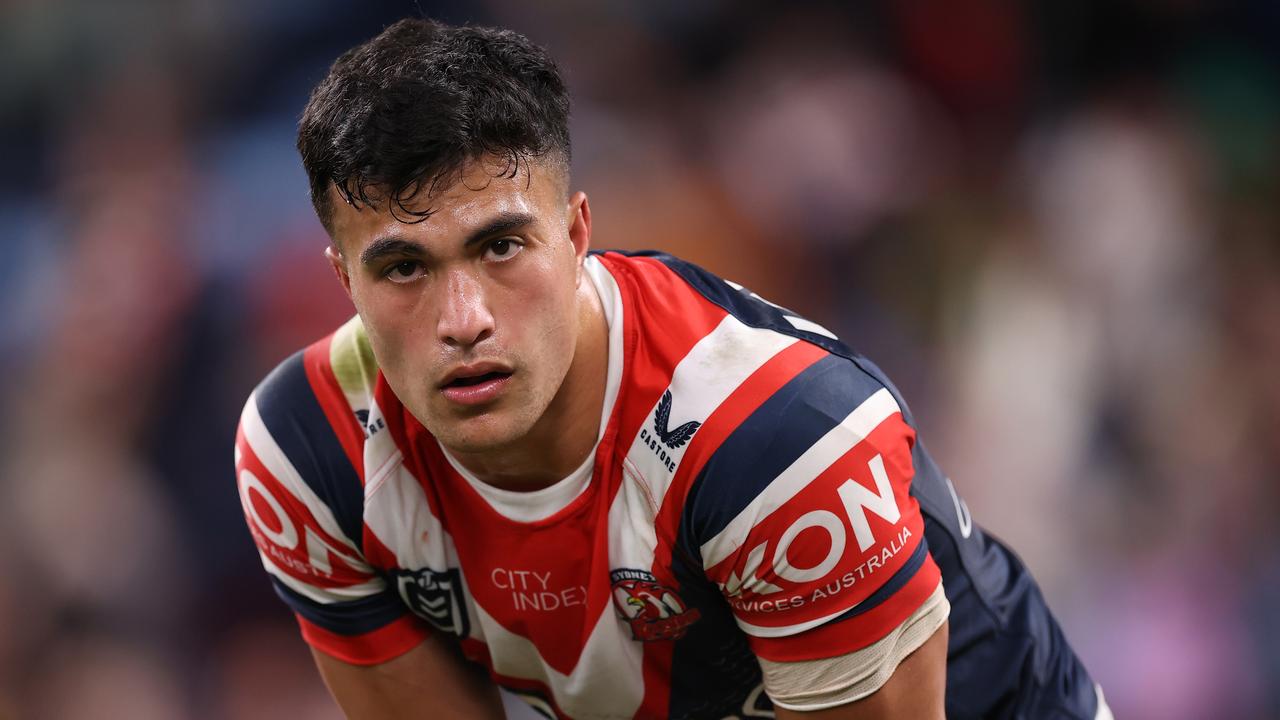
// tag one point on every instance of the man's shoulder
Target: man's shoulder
(303, 431)
(313, 406)
(658, 276)
(342, 361)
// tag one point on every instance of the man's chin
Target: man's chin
(476, 435)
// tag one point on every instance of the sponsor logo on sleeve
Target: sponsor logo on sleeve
(654, 611)
(292, 540)
(829, 566)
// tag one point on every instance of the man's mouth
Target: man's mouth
(475, 385)
(476, 379)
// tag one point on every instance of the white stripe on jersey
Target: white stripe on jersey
(380, 452)
(716, 366)
(800, 323)
(282, 469)
(609, 672)
(831, 447)
(397, 511)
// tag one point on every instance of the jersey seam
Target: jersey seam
(380, 475)
(633, 473)
(932, 515)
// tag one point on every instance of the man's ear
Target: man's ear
(334, 256)
(579, 227)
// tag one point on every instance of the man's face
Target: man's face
(473, 313)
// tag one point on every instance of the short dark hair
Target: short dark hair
(407, 110)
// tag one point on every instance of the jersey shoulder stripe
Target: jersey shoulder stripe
(748, 307)
(755, 311)
(294, 418)
(780, 431)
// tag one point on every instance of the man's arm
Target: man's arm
(916, 690)
(430, 681)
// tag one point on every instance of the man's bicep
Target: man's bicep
(869, 677)
(431, 680)
(916, 689)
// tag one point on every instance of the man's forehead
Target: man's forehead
(470, 196)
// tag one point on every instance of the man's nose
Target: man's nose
(465, 319)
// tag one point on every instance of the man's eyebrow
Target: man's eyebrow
(499, 224)
(391, 245)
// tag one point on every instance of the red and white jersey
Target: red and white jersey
(749, 496)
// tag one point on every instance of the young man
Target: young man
(620, 486)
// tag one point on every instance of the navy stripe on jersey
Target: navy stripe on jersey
(752, 311)
(297, 423)
(755, 312)
(768, 441)
(351, 617)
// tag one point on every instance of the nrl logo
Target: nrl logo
(653, 610)
(672, 438)
(436, 597)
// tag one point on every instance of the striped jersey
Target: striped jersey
(757, 491)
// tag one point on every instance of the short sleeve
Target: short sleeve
(302, 502)
(807, 524)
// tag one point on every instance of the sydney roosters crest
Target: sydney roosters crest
(654, 611)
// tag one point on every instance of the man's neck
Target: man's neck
(566, 434)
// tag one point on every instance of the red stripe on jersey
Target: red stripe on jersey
(334, 403)
(284, 528)
(376, 553)
(840, 638)
(372, 648)
(658, 300)
(656, 702)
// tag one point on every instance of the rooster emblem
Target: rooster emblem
(672, 438)
(654, 611)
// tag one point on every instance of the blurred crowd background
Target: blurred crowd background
(1055, 224)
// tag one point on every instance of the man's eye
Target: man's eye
(502, 250)
(403, 272)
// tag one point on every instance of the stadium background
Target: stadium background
(1056, 225)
